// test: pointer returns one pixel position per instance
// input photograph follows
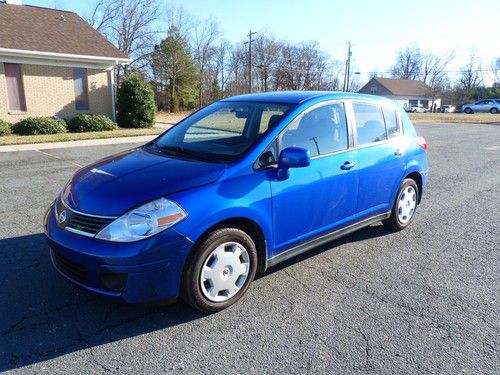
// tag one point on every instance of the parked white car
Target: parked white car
(416, 109)
(447, 109)
(486, 105)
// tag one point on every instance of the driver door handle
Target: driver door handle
(399, 152)
(348, 165)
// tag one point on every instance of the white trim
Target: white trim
(63, 56)
(68, 64)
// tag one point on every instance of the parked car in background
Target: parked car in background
(236, 187)
(447, 108)
(486, 105)
(416, 109)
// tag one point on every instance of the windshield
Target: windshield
(223, 130)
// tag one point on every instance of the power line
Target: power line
(444, 71)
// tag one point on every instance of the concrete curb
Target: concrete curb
(82, 143)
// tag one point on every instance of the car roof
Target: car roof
(299, 97)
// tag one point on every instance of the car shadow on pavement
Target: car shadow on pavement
(43, 316)
(373, 231)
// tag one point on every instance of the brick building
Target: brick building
(52, 63)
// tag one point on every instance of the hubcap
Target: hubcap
(224, 272)
(406, 204)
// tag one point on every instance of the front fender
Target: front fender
(247, 197)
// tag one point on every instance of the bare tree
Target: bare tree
(128, 24)
(237, 63)
(470, 77)
(495, 72)
(102, 14)
(265, 57)
(408, 64)
(434, 72)
(205, 35)
(221, 59)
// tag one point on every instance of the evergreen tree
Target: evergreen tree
(175, 71)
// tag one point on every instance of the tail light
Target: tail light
(421, 142)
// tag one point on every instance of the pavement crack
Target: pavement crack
(367, 349)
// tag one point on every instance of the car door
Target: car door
(381, 156)
(322, 196)
(479, 106)
(488, 104)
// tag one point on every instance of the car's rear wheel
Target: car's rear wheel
(404, 207)
(468, 111)
(219, 270)
(494, 111)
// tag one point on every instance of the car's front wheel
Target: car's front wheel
(468, 111)
(219, 270)
(404, 207)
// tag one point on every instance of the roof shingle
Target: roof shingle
(402, 87)
(50, 30)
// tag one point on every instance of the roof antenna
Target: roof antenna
(62, 18)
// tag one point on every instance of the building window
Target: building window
(81, 89)
(373, 90)
(15, 88)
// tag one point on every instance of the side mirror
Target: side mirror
(292, 157)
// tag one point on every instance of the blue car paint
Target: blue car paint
(312, 201)
(117, 183)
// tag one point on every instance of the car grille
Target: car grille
(79, 222)
(71, 269)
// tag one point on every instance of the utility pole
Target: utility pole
(250, 33)
(347, 67)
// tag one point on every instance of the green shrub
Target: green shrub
(40, 125)
(90, 123)
(135, 104)
(4, 128)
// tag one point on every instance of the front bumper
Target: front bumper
(138, 272)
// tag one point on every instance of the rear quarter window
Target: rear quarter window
(408, 128)
(391, 122)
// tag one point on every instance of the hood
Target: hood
(120, 182)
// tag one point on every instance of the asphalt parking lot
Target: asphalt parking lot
(419, 301)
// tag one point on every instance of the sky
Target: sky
(376, 28)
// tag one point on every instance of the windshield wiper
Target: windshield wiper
(182, 151)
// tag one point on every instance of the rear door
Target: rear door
(381, 156)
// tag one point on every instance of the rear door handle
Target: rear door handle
(348, 165)
(399, 152)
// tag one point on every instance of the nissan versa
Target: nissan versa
(233, 189)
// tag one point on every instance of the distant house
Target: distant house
(52, 63)
(406, 92)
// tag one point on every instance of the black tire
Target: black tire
(468, 111)
(393, 222)
(494, 111)
(191, 291)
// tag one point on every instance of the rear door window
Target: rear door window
(370, 124)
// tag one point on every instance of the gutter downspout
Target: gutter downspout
(113, 98)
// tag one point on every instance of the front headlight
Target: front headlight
(144, 221)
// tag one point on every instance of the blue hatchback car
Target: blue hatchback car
(233, 189)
